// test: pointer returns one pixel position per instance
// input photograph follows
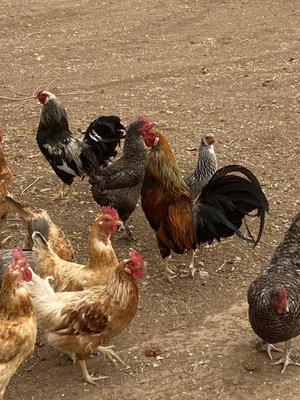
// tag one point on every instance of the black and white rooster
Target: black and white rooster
(68, 156)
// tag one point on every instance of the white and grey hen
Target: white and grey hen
(206, 166)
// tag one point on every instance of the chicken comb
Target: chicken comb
(18, 254)
(136, 258)
(110, 211)
(145, 124)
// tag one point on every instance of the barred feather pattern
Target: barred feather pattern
(206, 166)
(284, 270)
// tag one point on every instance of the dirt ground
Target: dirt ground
(227, 67)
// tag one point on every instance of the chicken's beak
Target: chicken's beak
(121, 226)
(287, 308)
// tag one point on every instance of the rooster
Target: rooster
(18, 325)
(5, 182)
(206, 166)
(79, 323)
(69, 276)
(119, 184)
(63, 151)
(181, 224)
(274, 296)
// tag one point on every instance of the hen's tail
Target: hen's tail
(101, 139)
(225, 201)
(23, 210)
(42, 253)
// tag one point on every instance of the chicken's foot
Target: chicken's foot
(109, 353)
(87, 376)
(192, 269)
(268, 347)
(286, 358)
(169, 273)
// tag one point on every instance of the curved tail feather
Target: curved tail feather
(225, 201)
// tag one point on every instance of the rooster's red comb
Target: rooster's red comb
(136, 258)
(110, 211)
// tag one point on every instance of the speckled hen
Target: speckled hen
(119, 184)
(274, 296)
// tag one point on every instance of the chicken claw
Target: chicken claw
(90, 378)
(169, 273)
(286, 358)
(268, 347)
(109, 353)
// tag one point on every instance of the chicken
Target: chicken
(206, 166)
(274, 296)
(119, 184)
(70, 276)
(79, 323)
(103, 135)
(39, 221)
(5, 181)
(63, 151)
(181, 224)
(18, 325)
(43, 223)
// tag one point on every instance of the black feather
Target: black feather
(225, 201)
(103, 135)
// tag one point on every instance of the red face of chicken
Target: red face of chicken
(43, 96)
(21, 265)
(147, 133)
(280, 301)
(109, 221)
(135, 265)
(208, 140)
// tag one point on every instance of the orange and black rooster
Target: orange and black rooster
(181, 223)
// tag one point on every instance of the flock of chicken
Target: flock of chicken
(77, 308)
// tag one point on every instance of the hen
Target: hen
(119, 184)
(274, 296)
(70, 276)
(79, 323)
(5, 181)
(180, 223)
(63, 151)
(17, 320)
(206, 166)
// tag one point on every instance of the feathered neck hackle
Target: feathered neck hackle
(121, 286)
(163, 166)
(14, 299)
(133, 144)
(207, 162)
(53, 112)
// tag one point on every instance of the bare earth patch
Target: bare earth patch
(226, 67)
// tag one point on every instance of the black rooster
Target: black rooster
(274, 296)
(63, 151)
